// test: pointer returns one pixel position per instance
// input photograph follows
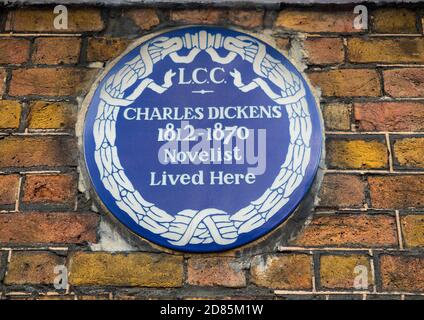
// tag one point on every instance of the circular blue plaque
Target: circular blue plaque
(202, 138)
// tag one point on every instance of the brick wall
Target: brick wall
(370, 210)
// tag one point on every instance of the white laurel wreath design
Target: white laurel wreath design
(208, 225)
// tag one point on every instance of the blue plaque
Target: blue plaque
(202, 138)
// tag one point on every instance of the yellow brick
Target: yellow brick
(41, 20)
(337, 116)
(409, 152)
(10, 114)
(357, 154)
(132, 269)
(413, 230)
(51, 115)
(313, 20)
(34, 267)
(347, 82)
(338, 272)
(393, 50)
(103, 49)
(394, 20)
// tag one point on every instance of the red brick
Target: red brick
(222, 271)
(404, 82)
(50, 81)
(34, 267)
(103, 49)
(389, 116)
(37, 151)
(316, 20)
(36, 227)
(201, 16)
(397, 191)
(355, 230)
(290, 271)
(145, 18)
(8, 189)
(393, 50)
(324, 50)
(402, 273)
(342, 191)
(246, 18)
(347, 82)
(41, 20)
(58, 188)
(63, 50)
(14, 50)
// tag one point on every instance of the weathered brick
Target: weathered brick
(54, 297)
(37, 151)
(51, 115)
(315, 20)
(8, 189)
(347, 82)
(356, 153)
(342, 191)
(246, 18)
(222, 271)
(338, 271)
(413, 230)
(34, 267)
(50, 81)
(103, 49)
(389, 116)
(14, 50)
(394, 20)
(10, 114)
(402, 273)
(324, 50)
(41, 20)
(356, 230)
(393, 50)
(203, 16)
(3, 264)
(94, 297)
(404, 82)
(283, 44)
(2, 80)
(145, 18)
(397, 192)
(61, 50)
(57, 188)
(409, 152)
(288, 271)
(337, 116)
(132, 269)
(52, 227)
